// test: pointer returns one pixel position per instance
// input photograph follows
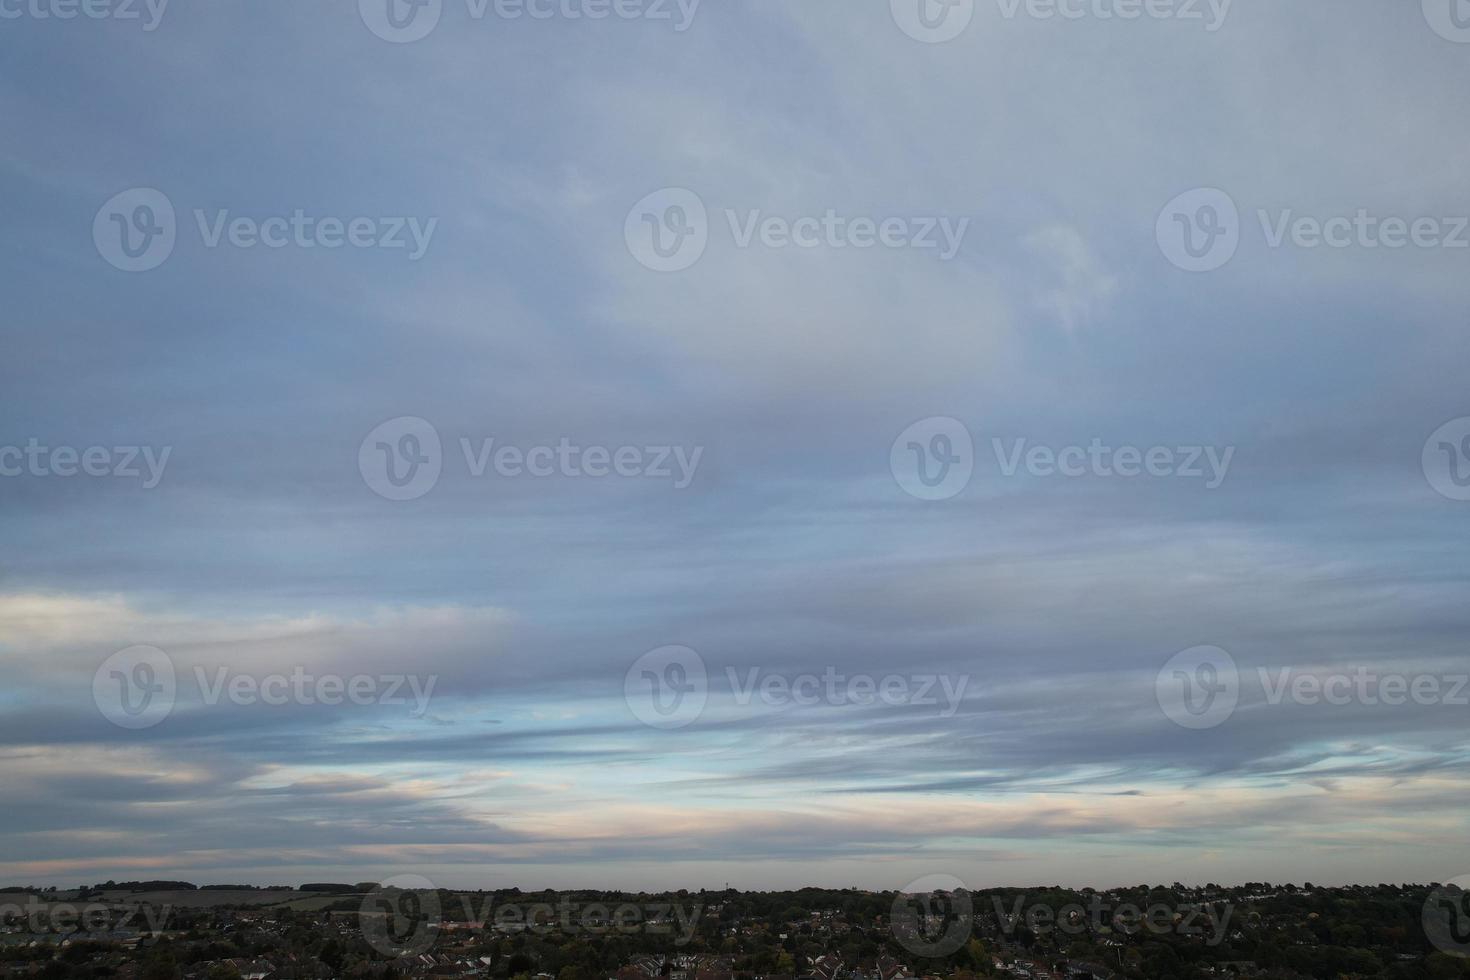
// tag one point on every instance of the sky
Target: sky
(768, 442)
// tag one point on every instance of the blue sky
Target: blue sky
(1330, 545)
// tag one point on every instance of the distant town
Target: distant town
(167, 930)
